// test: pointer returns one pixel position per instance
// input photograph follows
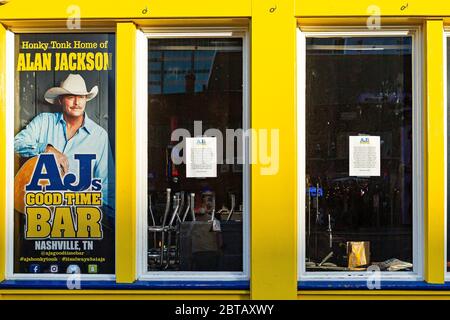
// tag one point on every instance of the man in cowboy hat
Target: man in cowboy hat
(70, 132)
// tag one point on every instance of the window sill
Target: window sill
(138, 285)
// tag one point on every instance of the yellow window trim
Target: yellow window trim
(126, 228)
(274, 266)
(374, 295)
(274, 245)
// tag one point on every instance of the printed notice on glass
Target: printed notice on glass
(364, 156)
(201, 157)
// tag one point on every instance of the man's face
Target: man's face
(72, 105)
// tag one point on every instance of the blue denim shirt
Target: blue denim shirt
(50, 128)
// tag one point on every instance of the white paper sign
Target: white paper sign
(201, 157)
(364, 156)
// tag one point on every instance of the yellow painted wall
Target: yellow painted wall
(29, 9)
(375, 295)
(126, 214)
(273, 244)
(434, 159)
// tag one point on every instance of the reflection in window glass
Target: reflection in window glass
(359, 154)
(195, 205)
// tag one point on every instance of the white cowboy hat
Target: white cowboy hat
(73, 85)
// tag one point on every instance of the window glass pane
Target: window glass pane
(359, 154)
(195, 186)
(64, 127)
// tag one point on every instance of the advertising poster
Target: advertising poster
(64, 138)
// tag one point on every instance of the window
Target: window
(195, 221)
(359, 155)
(61, 158)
